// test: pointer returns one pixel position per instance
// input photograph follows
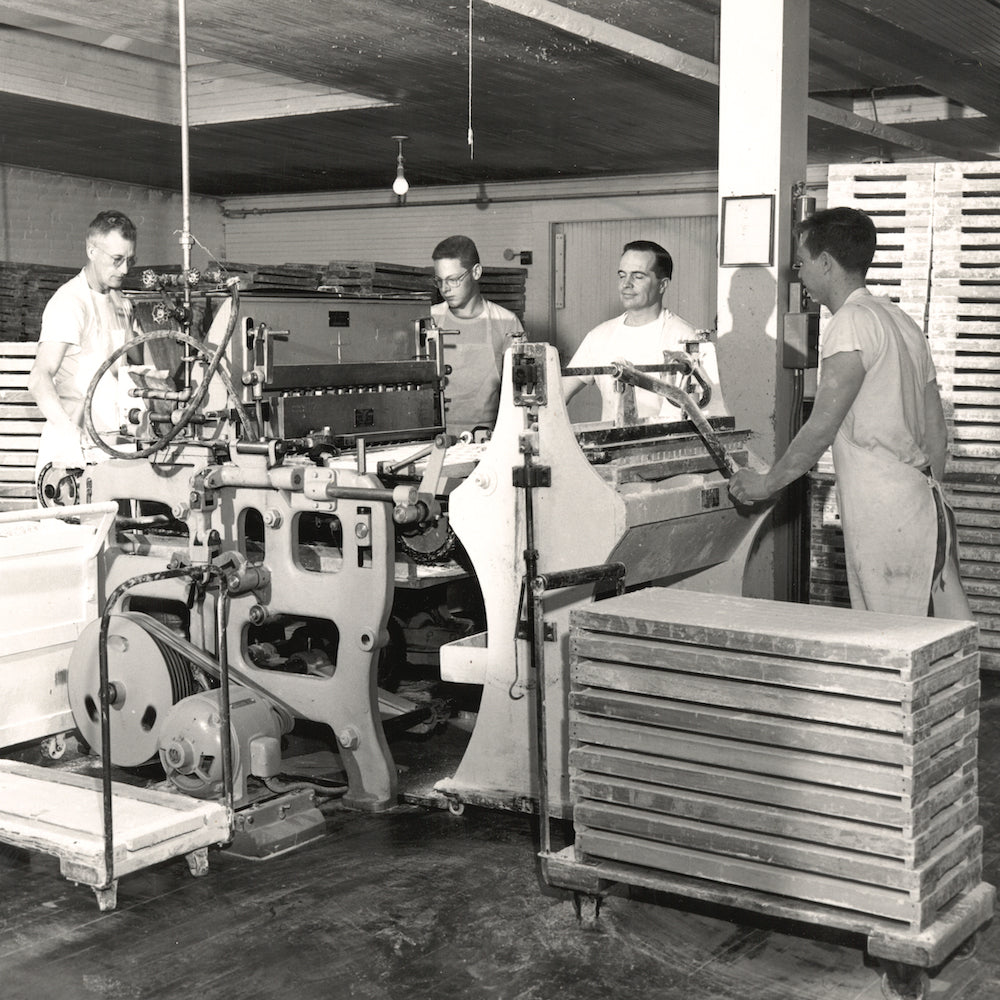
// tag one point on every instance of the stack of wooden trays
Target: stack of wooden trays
(357, 277)
(21, 425)
(815, 757)
(25, 289)
(303, 277)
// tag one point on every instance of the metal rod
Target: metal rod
(536, 637)
(577, 577)
(226, 733)
(185, 237)
(104, 696)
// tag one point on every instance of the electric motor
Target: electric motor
(191, 742)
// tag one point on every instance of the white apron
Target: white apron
(890, 522)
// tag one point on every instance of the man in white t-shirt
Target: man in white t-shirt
(639, 336)
(481, 331)
(879, 406)
(86, 320)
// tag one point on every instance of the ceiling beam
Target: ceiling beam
(629, 43)
(886, 133)
(92, 76)
(74, 73)
(593, 29)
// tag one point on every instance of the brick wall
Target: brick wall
(43, 218)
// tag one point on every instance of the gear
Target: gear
(430, 543)
(58, 486)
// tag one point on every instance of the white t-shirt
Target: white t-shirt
(641, 345)
(887, 416)
(93, 326)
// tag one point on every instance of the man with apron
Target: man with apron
(85, 321)
(476, 333)
(878, 405)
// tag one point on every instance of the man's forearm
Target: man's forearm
(801, 455)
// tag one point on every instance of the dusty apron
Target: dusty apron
(473, 388)
(890, 517)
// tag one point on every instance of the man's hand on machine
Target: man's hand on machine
(748, 487)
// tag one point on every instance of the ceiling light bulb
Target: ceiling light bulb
(400, 185)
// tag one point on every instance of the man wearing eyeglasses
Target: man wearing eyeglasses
(84, 322)
(482, 329)
(640, 335)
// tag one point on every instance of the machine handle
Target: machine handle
(625, 372)
(577, 577)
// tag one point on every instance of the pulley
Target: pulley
(146, 677)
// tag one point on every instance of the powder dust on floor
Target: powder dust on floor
(418, 903)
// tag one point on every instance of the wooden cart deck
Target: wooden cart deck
(61, 813)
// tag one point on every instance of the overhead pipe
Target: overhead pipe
(479, 201)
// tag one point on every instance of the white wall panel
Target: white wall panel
(516, 217)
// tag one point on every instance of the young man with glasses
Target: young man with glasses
(482, 332)
(84, 322)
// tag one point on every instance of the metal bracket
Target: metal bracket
(549, 633)
(534, 478)
(527, 369)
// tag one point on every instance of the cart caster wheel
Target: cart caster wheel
(967, 948)
(107, 898)
(53, 747)
(905, 983)
(456, 807)
(587, 908)
(197, 862)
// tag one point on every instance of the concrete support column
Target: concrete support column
(763, 92)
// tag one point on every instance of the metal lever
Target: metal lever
(624, 372)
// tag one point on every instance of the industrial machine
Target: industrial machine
(556, 515)
(289, 498)
(251, 574)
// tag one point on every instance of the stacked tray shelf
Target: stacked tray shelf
(818, 758)
(20, 426)
(938, 233)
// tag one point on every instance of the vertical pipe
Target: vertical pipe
(225, 728)
(185, 237)
(104, 696)
(536, 640)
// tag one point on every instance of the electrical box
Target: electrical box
(800, 340)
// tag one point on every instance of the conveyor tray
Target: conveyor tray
(61, 813)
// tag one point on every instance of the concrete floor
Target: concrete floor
(418, 903)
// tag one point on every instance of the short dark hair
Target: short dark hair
(847, 234)
(663, 265)
(112, 222)
(457, 248)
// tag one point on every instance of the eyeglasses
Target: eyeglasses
(452, 281)
(116, 259)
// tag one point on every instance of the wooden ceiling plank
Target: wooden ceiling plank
(629, 43)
